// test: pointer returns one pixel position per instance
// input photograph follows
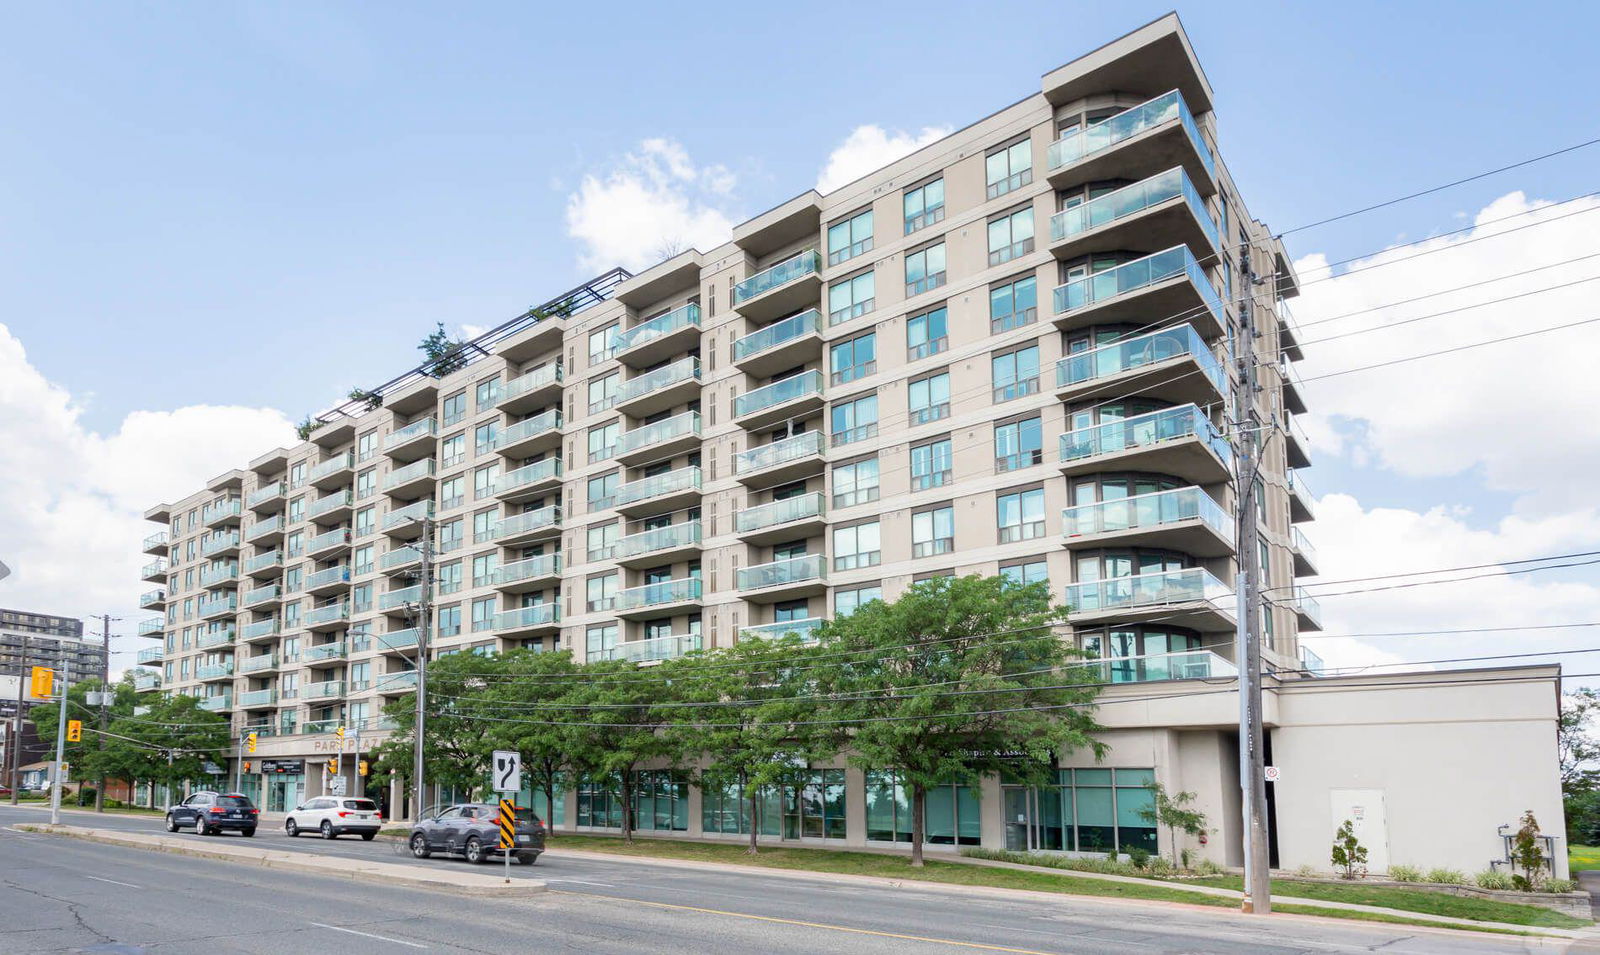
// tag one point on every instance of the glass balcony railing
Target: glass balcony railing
(537, 473)
(1191, 585)
(684, 369)
(338, 500)
(1146, 430)
(778, 512)
(219, 542)
(805, 629)
(411, 472)
(146, 680)
(258, 663)
(807, 444)
(271, 558)
(1183, 665)
(806, 263)
(407, 514)
(547, 516)
(677, 426)
(259, 629)
(794, 570)
(324, 651)
(214, 703)
(261, 595)
(644, 489)
(537, 615)
(322, 691)
(265, 494)
(258, 698)
(1146, 511)
(152, 598)
(655, 595)
(681, 317)
(528, 427)
(399, 557)
(808, 322)
(532, 568)
(777, 393)
(335, 464)
(1139, 274)
(156, 568)
(218, 605)
(152, 627)
(221, 510)
(213, 671)
(397, 639)
(540, 377)
(219, 574)
(220, 637)
(662, 538)
(669, 647)
(1138, 352)
(424, 427)
(158, 539)
(398, 599)
(332, 575)
(1307, 605)
(334, 538)
(396, 682)
(1311, 662)
(149, 655)
(328, 613)
(1303, 546)
(1132, 200)
(1088, 140)
(264, 528)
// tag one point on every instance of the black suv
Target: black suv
(473, 829)
(210, 813)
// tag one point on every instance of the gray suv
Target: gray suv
(210, 813)
(473, 830)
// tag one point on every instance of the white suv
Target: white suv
(333, 816)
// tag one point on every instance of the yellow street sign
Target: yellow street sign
(74, 731)
(42, 683)
(508, 824)
(250, 743)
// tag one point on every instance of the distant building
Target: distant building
(29, 639)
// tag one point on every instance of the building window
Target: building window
(455, 409)
(600, 803)
(927, 334)
(924, 205)
(450, 577)
(453, 450)
(603, 490)
(361, 598)
(361, 561)
(661, 800)
(854, 420)
(1028, 571)
(452, 492)
(486, 437)
(950, 813)
(602, 540)
(727, 810)
(1010, 236)
(482, 614)
(484, 481)
(933, 532)
(600, 593)
(817, 809)
(366, 483)
(599, 642)
(603, 344)
(366, 521)
(1094, 810)
(484, 567)
(484, 526)
(1018, 444)
(1016, 374)
(450, 535)
(450, 619)
(853, 359)
(931, 464)
(850, 238)
(852, 297)
(929, 398)
(603, 392)
(366, 446)
(925, 269)
(603, 441)
(848, 601)
(1020, 515)
(855, 483)
(1008, 168)
(856, 546)
(1013, 305)
(488, 393)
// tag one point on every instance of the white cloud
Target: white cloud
(71, 514)
(470, 332)
(871, 147)
(653, 202)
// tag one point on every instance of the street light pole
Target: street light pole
(105, 693)
(424, 614)
(61, 747)
(14, 745)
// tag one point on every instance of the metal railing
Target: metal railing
(653, 595)
(416, 429)
(661, 538)
(1138, 352)
(536, 473)
(806, 444)
(684, 369)
(1190, 585)
(547, 516)
(538, 378)
(335, 464)
(416, 469)
(677, 426)
(656, 648)
(538, 424)
(1182, 665)
(537, 615)
(643, 489)
(805, 629)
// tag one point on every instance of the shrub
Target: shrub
(1405, 873)
(1527, 855)
(1560, 885)
(1493, 879)
(1208, 867)
(1139, 858)
(1094, 864)
(86, 796)
(1162, 868)
(1307, 872)
(1448, 877)
(1348, 852)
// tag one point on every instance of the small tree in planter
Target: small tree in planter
(444, 354)
(1348, 852)
(304, 428)
(1527, 855)
(369, 398)
(1172, 811)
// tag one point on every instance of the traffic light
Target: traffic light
(42, 683)
(333, 765)
(247, 765)
(339, 732)
(74, 731)
(250, 744)
(361, 767)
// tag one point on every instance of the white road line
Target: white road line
(381, 938)
(114, 882)
(607, 885)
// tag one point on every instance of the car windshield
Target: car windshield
(233, 802)
(364, 805)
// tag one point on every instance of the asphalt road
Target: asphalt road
(64, 895)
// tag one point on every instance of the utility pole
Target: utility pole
(424, 614)
(61, 747)
(105, 693)
(14, 745)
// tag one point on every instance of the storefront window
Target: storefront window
(951, 814)
(816, 810)
(728, 810)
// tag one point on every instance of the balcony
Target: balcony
(787, 343)
(537, 388)
(221, 512)
(260, 663)
(154, 572)
(660, 338)
(415, 440)
(1181, 442)
(268, 564)
(787, 459)
(152, 627)
(255, 699)
(530, 482)
(526, 621)
(334, 616)
(149, 656)
(215, 704)
(1173, 364)
(260, 630)
(531, 436)
(1164, 210)
(220, 637)
(1302, 504)
(329, 545)
(403, 681)
(266, 531)
(805, 629)
(1184, 519)
(266, 498)
(334, 472)
(333, 508)
(400, 559)
(214, 671)
(403, 642)
(1190, 598)
(788, 579)
(659, 599)
(1289, 334)
(1293, 390)
(1169, 283)
(789, 286)
(1311, 664)
(327, 690)
(1297, 447)
(404, 522)
(218, 607)
(400, 601)
(1183, 665)
(660, 493)
(789, 519)
(263, 597)
(225, 574)
(529, 526)
(145, 680)
(336, 650)
(661, 389)
(655, 649)
(410, 481)
(1307, 611)
(1305, 556)
(662, 545)
(155, 544)
(329, 581)
(218, 545)
(796, 397)
(533, 573)
(660, 440)
(1136, 143)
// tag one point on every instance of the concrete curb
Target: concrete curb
(382, 873)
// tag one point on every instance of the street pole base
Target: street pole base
(1247, 905)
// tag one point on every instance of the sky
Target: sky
(322, 183)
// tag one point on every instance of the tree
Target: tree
(305, 427)
(1578, 751)
(955, 680)
(455, 748)
(443, 353)
(1527, 854)
(616, 723)
(534, 688)
(1348, 852)
(1172, 811)
(369, 398)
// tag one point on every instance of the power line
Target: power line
(1450, 351)
(1436, 633)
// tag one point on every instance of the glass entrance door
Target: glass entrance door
(285, 792)
(1018, 803)
(1034, 818)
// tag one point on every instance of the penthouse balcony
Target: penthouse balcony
(216, 607)
(334, 616)
(397, 683)
(787, 343)
(797, 397)
(660, 440)
(268, 497)
(1179, 441)
(537, 388)
(218, 703)
(260, 663)
(330, 581)
(663, 545)
(1182, 665)
(400, 559)
(530, 481)
(155, 544)
(1164, 210)
(146, 680)
(1184, 519)
(155, 572)
(333, 508)
(532, 573)
(1302, 503)
(334, 650)
(539, 619)
(260, 630)
(1307, 610)
(780, 462)
(1172, 364)
(405, 523)
(220, 637)
(256, 699)
(397, 642)
(529, 526)
(152, 627)
(789, 286)
(1136, 143)
(415, 440)
(1163, 285)
(149, 656)
(326, 690)
(780, 580)
(214, 671)
(806, 629)
(266, 530)
(659, 600)
(659, 493)
(655, 649)
(1305, 556)
(661, 389)
(1297, 447)
(329, 545)
(1190, 598)
(337, 471)
(218, 513)
(531, 436)
(262, 598)
(660, 338)
(789, 519)
(400, 601)
(224, 543)
(410, 481)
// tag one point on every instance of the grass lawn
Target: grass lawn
(1393, 919)
(1583, 857)
(1412, 900)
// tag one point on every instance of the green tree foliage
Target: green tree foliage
(1527, 854)
(615, 723)
(955, 679)
(168, 744)
(534, 689)
(305, 427)
(1348, 852)
(455, 748)
(443, 354)
(1579, 751)
(1174, 812)
(369, 398)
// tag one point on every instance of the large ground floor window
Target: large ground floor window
(728, 810)
(660, 802)
(951, 818)
(1087, 810)
(816, 810)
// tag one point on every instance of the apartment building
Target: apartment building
(1015, 351)
(29, 639)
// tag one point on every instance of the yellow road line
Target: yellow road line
(821, 925)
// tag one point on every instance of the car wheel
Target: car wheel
(419, 846)
(327, 829)
(474, 851)
(290, 828)
(527, 858)
(172, 824)
(368, 836)
(200, 828)
(249, 830)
